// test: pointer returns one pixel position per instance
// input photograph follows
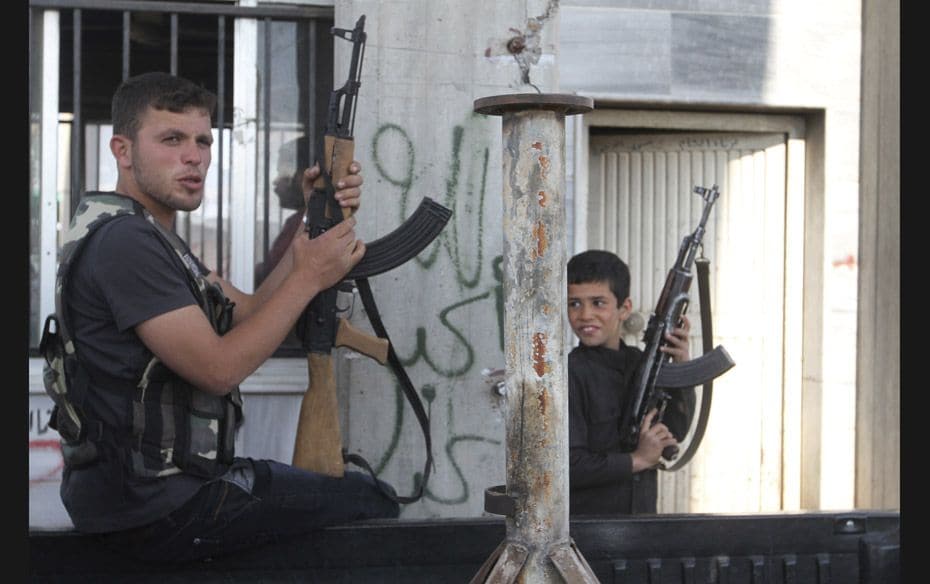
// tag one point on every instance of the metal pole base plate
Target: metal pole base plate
(505, 564)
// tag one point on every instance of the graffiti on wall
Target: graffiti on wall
(463, 242)
(467, 198)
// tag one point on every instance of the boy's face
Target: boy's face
(595, 314)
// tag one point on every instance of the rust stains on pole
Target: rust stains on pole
(535, 499)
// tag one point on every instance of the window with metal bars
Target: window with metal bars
(271, 67)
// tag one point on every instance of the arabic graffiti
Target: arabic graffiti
(463, 243)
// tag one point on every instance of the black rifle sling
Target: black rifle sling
(374, 317)
(703, 271)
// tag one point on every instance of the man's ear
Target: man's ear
(121, 147)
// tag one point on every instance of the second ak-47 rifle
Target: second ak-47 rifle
(318, 445)
(655, 375)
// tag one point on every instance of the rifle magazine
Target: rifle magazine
(696, 371)
(405, 242)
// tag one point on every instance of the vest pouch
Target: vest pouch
(208, 448)
(65, 417)
(78, 454)
(154, 431)
(60, 374)
(78, 436)
(178, 428)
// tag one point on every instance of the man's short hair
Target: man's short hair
(597, 265)
(159, 90)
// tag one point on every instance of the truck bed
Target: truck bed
(819, 547)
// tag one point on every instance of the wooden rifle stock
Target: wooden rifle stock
(318, 446)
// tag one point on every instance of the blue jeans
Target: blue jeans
(259, 502)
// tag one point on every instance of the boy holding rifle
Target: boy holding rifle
(603, 478)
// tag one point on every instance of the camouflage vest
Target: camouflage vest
(175, 426)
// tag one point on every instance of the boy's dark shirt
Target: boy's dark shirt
(600, 475)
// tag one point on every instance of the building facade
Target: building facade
(768, 99)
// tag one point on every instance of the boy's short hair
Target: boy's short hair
(159, 90)
(597, 265)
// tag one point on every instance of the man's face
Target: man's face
(170, 157)
(595, 314)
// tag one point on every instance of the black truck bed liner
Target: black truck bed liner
(820, 547)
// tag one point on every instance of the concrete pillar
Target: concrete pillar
(538, 547)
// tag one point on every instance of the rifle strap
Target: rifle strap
(374, 317)
(702, 265)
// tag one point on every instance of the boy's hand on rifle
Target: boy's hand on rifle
(653, 439)
(678, 342)
(348, 188)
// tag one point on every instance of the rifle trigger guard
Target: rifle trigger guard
(347, 288)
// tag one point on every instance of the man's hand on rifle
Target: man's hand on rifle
(328, 258)
(348, 188)
(678, 342)
(652, 440)
(323, 262)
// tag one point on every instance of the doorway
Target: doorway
(638, 201)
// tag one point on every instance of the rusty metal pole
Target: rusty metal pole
(538, 547)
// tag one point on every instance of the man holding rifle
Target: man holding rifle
(605, 478)
(162, 344)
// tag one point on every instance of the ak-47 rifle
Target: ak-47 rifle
(318, 445)
(656, 375)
